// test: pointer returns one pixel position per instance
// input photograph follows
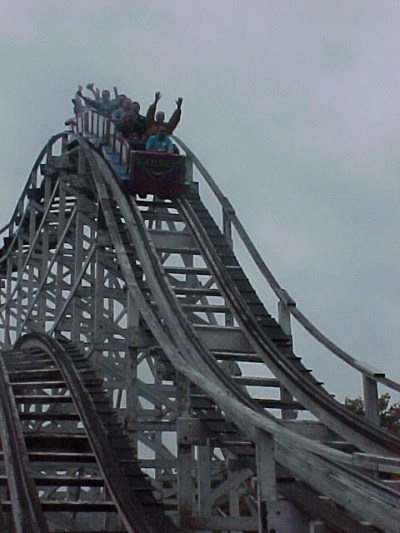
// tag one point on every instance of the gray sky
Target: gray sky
(292, 105)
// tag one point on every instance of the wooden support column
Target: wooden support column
(98, 336)
(189, 170)
(284, 322)
(370, 390)
(136, 343)
(227, 213)
(227, 227)
(9, 340)
(42, 311)
(182, 395)
(32, 282)
(79, 258)
(78, 262)
(284, 318)
(85, 122)
(203, 481)
(185, 481)
(20, 291)
(234, 507)
(158, 416)
(266, 480)
(64, 143)
(185, 487)
(60, 231)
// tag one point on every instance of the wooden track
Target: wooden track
(144, 380)
(79, 457)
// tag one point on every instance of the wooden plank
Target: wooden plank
(62, 481)
(256, 381)
(49, 416)
(242, 523)
(48, 384)
(199, 271)
(176, 240)
(30, 375)
(223, 338)
(243, 357)
(269, 403)
(70, 506)
(197, 291)
(164, 216)
(202, 308)
(42, 399)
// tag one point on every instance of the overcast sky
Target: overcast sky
(292, 105)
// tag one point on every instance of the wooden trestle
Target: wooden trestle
(144, 384)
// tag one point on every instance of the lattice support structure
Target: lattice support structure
(136, 286)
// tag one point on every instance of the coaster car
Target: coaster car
(158, 173)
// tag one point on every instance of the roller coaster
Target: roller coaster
(145, 386)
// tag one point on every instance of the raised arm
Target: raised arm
(176, 116)
(95, 92)
(88, 101)
(152, 109)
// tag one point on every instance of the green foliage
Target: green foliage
(389, 414)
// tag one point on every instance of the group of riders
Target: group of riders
(151, 132)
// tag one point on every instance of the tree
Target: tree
(389, 415)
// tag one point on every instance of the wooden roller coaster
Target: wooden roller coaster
(145, 386)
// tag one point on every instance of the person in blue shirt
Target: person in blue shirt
(160, 142)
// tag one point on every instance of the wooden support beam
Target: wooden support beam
(370, 390)
(266, 479)
(185, 482)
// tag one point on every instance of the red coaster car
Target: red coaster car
(158, 173)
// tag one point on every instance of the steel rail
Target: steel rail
(281, 293)
(245, 417)
(128, 504)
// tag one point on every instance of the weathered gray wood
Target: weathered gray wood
(165, 326)
(223, 338)
(266, 479)
(27, 512)
(370, 389)
(204, 481)
(185, 483)
(330, 515)
(172, 240)
(243, 523)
